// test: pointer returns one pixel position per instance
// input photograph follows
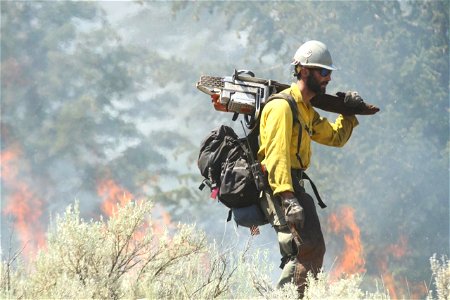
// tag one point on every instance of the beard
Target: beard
(314, 85)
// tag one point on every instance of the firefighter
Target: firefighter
(290, 210)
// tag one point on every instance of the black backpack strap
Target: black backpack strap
(316, 192)
(230, 213)
(294, 109)
(290, 100)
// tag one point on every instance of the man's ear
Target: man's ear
(304, 72)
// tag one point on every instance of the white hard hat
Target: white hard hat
(314, 54)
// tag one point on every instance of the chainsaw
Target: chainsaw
(243, 93)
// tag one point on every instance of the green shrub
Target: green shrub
(102, 259)
(123, 257)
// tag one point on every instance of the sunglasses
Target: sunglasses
(322, 71)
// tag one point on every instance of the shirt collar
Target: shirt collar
(295, 92)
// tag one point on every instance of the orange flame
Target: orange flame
(396, 251)
(415, 290)
(159, 225)
(8, 167)
(112, 195)
(21, 202)
(399, 250)
(352, 259)
(388, 278)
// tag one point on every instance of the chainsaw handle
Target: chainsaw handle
(243, 72)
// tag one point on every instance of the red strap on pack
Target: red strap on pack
(214, 193)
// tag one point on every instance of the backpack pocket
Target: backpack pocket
(237, 188)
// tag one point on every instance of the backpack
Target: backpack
(234, 177)
(224, 161)
(228, 166)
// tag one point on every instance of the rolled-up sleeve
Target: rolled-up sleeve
(333, 134)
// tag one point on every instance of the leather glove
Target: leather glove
(351, 99)
(293, 212)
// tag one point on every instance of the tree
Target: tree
(87, 100)
(73, 96)
(395, 168)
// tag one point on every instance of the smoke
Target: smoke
(387, 189)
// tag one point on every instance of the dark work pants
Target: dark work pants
(309, 256)
(312, 249)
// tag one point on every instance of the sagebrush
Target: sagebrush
(125, 257)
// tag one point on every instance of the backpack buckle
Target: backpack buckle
(204, 183)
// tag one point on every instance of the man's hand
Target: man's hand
(293, 211)
(356, 104)
(351, 98)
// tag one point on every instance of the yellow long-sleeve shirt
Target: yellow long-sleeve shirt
(278, 137)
